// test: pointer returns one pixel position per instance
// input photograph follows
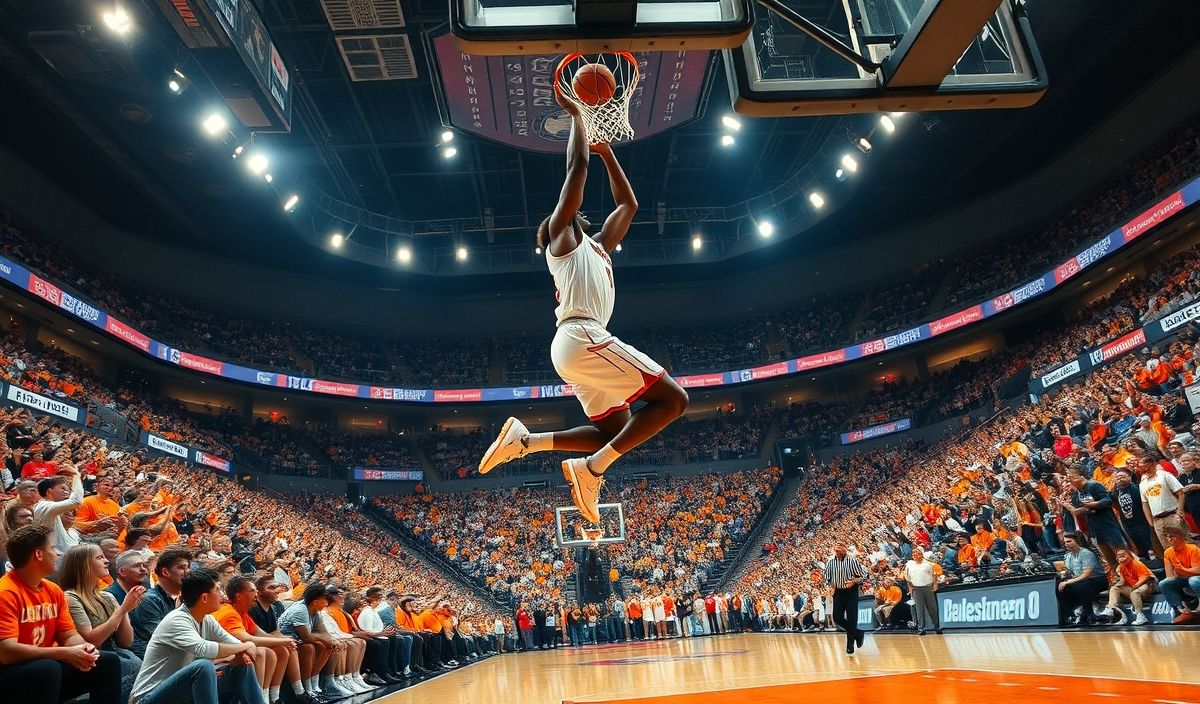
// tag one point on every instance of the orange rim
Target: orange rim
(628, 56)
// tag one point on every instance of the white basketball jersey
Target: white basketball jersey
(584, 282)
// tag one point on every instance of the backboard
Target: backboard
(828, 57)
(523, 27)
(570, 525)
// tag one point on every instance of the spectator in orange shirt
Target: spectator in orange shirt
(1136, 583)
(278, 655)
(887, 597)
(1181, 560)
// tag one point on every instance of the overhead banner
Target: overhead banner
(875, 431)
(185, 452)
(1148, 334)
(385, 474)
(52, 406)
(1166, 208)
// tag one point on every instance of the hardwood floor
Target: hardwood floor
(898, 664)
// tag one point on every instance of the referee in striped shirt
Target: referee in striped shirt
(844, 574)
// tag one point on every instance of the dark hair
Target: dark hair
(332, 589)
(313, 592)
(236, 585)
(169, 557)
(196, 584)
(49, 483)
(543, 237)
(406, 601)
(25, 541)
(261, 580)
(374, 592)
(135, 534)
(392, 595)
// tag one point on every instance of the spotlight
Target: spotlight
(215, 125)
(449, 152)
(336, 240)
(732, 123)
(174, 85)
(896, 115)
(618, 248)
(290, 204)
(269, 178)
(727, 140)
(697, 243)
(404, 254)
(765, 228)
(840, 174)
(863, 145)
(118, 20)
(461, 253)
(887, 123)
(850, 164)
(817, 200)
(447, 136)
(238, 151)
(178, 82)
(257, 163)
(537, 250)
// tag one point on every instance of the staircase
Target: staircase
(748, 548)
(437, 562)
(426, 464)
(767, 447)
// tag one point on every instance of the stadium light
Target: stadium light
(896, 115)
(174, 85)
(257, 163)
(732, 123)
(404, 254)
(268, 177)
(118, 20)
(447, 137)
(290, 204)
(537, 250)
(887, 123)
(449, 152)
(863, 145)
(178, 82)
(461, 253)
(765, 228)
(618, 248)
(850, 164)
(215, 124)
(336, 240)
(727, 140)
(840, 174)
(697, 243)
(817, 200)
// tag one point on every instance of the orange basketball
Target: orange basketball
(594, 84)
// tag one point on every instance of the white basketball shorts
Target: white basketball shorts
(607, 374)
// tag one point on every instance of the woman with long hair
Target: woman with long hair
(98, 618)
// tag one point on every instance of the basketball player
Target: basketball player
(607, 374)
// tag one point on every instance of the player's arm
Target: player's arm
(619, 219)
(561, 232)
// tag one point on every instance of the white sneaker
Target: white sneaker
(508, 446)
(585, 487)
(1140, 620)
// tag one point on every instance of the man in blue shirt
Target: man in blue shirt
(161, 599)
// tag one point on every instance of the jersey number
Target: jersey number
(38, 634)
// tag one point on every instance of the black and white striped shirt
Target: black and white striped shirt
(838, 571)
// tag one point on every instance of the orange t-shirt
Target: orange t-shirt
(669, 606)
(340, 618)
(1188, 558)
(94, 508)
(966, 555)
(889, 595)
(33, 616)
(635, 610)
(1133, 572)
(406, 621)
(982, 540)
(168, 537)
(233, 622)
(428, 620)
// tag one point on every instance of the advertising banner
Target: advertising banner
(186, 453)
(386, 474)
(1028, 603)
(53, 406)
(875, 431)
(53, 293)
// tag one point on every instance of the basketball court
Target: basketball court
(1150, 666)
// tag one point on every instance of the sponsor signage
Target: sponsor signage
(157, 442)
(1162, 211)
(1030, 603)
(213, 461)
(45, 404)
(1193, 397)
(383, 474)
(875, 431)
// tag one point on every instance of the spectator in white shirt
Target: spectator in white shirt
(179, 666)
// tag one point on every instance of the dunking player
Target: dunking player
(607, 374)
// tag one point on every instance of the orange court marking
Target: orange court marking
(944, 686)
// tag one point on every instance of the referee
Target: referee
(844, 574)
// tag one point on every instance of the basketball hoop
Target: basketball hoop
(609, 120)
(594, 535)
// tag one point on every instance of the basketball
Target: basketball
(594, 84)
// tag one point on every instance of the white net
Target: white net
(608, 121)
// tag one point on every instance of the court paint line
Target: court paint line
(1064, 674)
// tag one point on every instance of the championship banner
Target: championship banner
(1168, 207)
(875, 431)
(386, 474)
(52, 406)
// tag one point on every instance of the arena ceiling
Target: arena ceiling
(94, 113)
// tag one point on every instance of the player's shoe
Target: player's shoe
(508, 446)
(585, 487)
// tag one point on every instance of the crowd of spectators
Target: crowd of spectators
(504, 539)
